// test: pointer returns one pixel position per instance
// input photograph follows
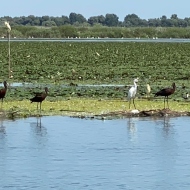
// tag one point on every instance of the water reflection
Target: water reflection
(166, 124)
(69, 153)
(39, 131)
(2, 127)
(38, 128)
(132, 129)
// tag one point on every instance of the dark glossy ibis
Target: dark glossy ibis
(39, 97)
(166, 92)
(3, 92)
(132, 92)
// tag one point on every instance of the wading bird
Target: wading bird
(7, 25)
(166, 92)
(132, 93)
(39, 97)
(148, 90)
(3, 92)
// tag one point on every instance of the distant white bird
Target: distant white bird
(148, 89)
(132, 93)
(8, 25)
(186, 96)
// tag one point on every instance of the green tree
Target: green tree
(48, 23)
(61, 20)
(133, 20)
(101, 19)
(164, 21)
(111, 20)
(154, 22)
(93, 20)
(73, 17)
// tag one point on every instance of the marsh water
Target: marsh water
(57, 152)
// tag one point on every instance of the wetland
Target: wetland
(89, 79)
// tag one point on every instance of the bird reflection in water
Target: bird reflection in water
(132, 129)
(166, 124)
(2, 127)
(38, 128)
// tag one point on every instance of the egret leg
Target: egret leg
(134, 103)
(129, 103)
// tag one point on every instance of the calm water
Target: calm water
(69, 153)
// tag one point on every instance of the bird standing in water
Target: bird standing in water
(3, 92)
(166, 92)
(132, 93)
(39, 97)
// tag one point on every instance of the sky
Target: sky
(145, 9)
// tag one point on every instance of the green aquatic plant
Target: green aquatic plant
(115, 63)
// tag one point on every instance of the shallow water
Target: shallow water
(58, 152)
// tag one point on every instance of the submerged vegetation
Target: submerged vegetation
(71, 71)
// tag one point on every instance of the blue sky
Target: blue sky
(145, 9)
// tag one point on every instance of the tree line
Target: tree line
(109, 20)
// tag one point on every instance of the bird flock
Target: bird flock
(39, 97)
(166, 92)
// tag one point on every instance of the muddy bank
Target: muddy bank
(136, 113)
(12, 114)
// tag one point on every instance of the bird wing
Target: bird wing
(38, 94)
(163, 92)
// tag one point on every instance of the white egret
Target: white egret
(132, 92)
(8, 25)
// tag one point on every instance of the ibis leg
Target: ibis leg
(164, 102)
(40, 106)
(167, 102)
